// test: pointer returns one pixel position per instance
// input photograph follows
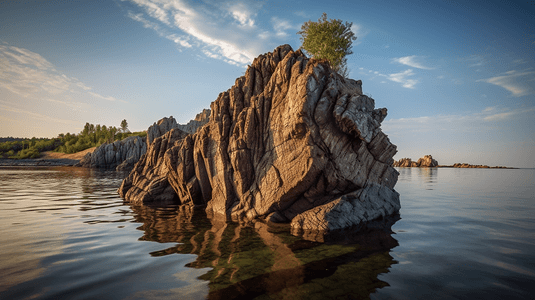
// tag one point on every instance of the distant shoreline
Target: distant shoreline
(49, 158)
(466, 166)
(37, 162)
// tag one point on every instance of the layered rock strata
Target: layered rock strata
(121, 155)
(291, 142)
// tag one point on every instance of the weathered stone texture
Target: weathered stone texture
(119, 154)
(292, 141)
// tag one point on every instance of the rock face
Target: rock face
(424, 162)
(121, 155)
(160, 128)
(196, 123)
(291, 142)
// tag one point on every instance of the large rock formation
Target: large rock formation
(121, 155)
(291, 142)
(424, 162)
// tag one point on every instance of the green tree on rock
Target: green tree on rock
(124, 126)
(330, 40)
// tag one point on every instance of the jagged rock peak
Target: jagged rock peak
(160, 128)
(292, 141)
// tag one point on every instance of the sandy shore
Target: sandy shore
(49, 158)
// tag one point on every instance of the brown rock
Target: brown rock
(292, 141)
(425, 162)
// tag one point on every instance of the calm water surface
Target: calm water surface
(463, 234)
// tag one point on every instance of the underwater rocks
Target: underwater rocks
(291, 142)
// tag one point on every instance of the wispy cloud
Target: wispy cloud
(485, 118)
(412, 61)
(242, 14)
(224, 30)
(519, 83)
(360, 32)
(35, 91)
(474, 60)
(34, 115)
(282, 26)
(27, 74)
(162, 32)
(403, 78)
(496, 114)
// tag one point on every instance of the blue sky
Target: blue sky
(458, 78)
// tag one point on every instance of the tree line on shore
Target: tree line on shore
(91, 136)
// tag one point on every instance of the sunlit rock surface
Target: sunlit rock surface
(424, 162)
(291, 142)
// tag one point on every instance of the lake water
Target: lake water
(463, 234)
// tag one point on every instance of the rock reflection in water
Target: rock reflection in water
(260, 261)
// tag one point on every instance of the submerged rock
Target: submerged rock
(291, 142)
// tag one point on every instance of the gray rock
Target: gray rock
(160, 128)
(119, 153)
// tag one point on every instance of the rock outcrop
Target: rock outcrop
(424, 162)
(427, 162)
(291, 142)
(405, 162)
(121, 155)
(160, 128)
(196, 123)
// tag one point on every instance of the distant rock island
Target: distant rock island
(465, 165)
(428, 162)
(291, 142)
(425, 162)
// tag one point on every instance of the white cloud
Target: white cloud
(224, 30)
(359, 32)
(281, 26)
(177, 39)
(402, 78)
(412, 61)
(241, 14)
(519, 83)
(28, 74)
